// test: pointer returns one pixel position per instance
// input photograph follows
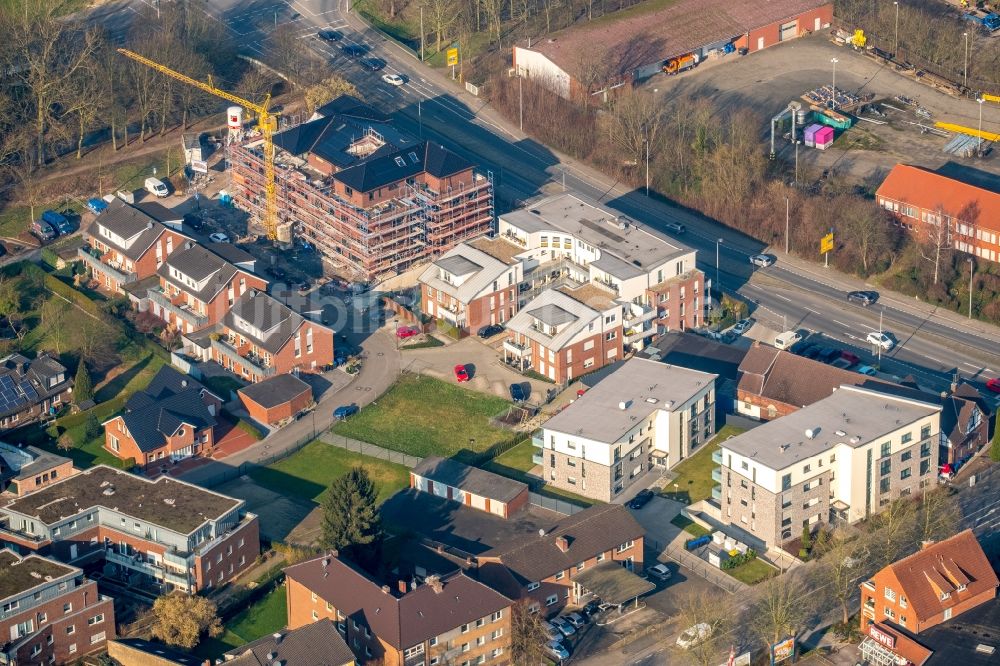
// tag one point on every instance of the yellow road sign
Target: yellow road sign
(826, 244)
(452, 57)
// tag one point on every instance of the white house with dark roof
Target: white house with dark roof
(470, 486)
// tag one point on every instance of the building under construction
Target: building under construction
(375, 201)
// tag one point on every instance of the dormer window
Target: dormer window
(400, 162)
(960, 588)
(945, 595)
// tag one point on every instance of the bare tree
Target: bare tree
(698, 611)
(935, 239)
(634, 122)
(891, 531)
(938, 515)
(593, 70)
(526, 635)
(840, 567)
(441, 14)
(866, 227)
(781, 609)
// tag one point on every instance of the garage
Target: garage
(470, 486)
(788, 31)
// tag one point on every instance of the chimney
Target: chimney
(435, 584)
(562, 543)
(402, 587)
(385, 588)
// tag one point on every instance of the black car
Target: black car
(592, 608)
(641, 499)
(809, 351)
(828, 354)
(193, 221)
(330, 35)
(374, 64)
(864, 298)
(354, 50)
(517, 393)
(490, 330)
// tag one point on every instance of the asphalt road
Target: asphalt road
(931, 346)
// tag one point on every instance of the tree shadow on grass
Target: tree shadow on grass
(118, 384)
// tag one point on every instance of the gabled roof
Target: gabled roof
(275, 390)
(128, 222)
(464, 259)
(591, 531)
(928, 190)
(941, 568)
(393, 167)
(158, 212)
(25, 382)
(198, 263)
(276, 321)
(315, 644)
(400, 619)
(170, 381)
(151, 420)
(469, 479)
(956, 415)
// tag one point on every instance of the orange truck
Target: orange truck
(680, 64)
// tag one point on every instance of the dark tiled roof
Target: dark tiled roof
(150, 421)
(276, 321)
(470, 479)
(128, 222)
(401, 620)
(316, 644)
(352, 107)
(941, 568)
(379, 171)
(231, 253)
(27, 375)
(158, 212)
(589, 532)
(275, 391)
(169, 381)
(198, 263)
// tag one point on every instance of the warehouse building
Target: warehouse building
(635, 45)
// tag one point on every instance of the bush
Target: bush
(250, 429)
(49, 257)
(740, 560)
(92, 427)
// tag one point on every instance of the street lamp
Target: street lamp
(787, 218)
(895, 40)
(965, 75)
(979, 139)
(972, 269)
(718, 282)
(646, 141)
(834, 61)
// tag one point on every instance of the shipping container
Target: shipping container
(809, 135)
(824, 137)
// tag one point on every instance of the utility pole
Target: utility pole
(520, 101)
(797, 162)
(786, 223)
(718, 282)
(972, 273)
(834, 102)
(421, 33)
(420, 119)
(979, 139)
(895, 40)
(647, 162)
(965, 75)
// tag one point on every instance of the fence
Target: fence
(366, 449)
(210, 478)
(553, 504)
(699, 566)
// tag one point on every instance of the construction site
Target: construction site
(374, 201)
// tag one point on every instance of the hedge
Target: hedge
(250, 429)
(103, 412)
(49, 257)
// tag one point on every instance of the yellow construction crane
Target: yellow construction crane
(265, 120)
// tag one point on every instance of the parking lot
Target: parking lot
(766, 81)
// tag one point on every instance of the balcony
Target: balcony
(538, 458)
(635, 336)
(242, 356)
(717, 474)
(180, 561)
(134, 563)
(537, 441)
(717, 492)
(638, 314)
(717, 456)
(185, 312)
(93, 259)
(519, 350)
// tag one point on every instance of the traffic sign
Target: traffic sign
(452, 57)
(826, 243)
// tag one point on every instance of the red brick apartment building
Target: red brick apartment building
(447, 619)
(921, 200)
(259, 337)
(164, 534)
(125, 245)
(938, 582)
(50, 613)
(31, 389)
(172, 419)
(544, 568)
(198, 287)
(25, 469)
(370, 197)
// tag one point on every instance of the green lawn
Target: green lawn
(423, 416)
(694, 475)
(516, 463)
(689, 526)
(752, 572)
(267, 616)
(308, 472)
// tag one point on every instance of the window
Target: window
(465, 647)
(551, 599)
(465, 628)
(10, 606)
(786, 481)
(315, 615)
(925, 449)
(433, 641)
(579, 567)
(883, 485)
(890, 594)
(947, 613)
(97, 619)
(889, 612)
(806, 469)
(559, 576)
(886, 449)
(71, 629)
(533, 586)
(885, 467)
(907, 437)
(480, 622)
(97, 638)
(925, 432)
(43, 618)
(413, 651)
(625, 546)
(600, 557)
(925, 466)
(68, 608)
(902, 601)
(906, 455)
(496, 617)
(72, 648)
(905, 474)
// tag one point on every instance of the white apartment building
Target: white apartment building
(645, 413)
(843, 458)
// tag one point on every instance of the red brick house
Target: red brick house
(965, 425)
(259, 337)
(543, 568)
(198, 287)
(51, 613)
(25, 469)
(935, 584)
(125, 244)
(276, 398)
(31, 389)
(173, 419)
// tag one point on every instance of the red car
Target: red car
(461, 374)
(850, 357)
(406, 332)
(580, 392)
(994, 384)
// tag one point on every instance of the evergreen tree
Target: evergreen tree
(351, 521)
(83, 387)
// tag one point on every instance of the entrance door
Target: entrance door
(788, 31)
(72, 551)
(760, 43)
(817, 25)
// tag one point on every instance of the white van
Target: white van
(156, 187)
(786, 339)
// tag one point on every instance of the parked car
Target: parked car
(393, 79)
(880, 339)
(490, 330)
(576, 619)
(43, 230)
(557, 650)
(193, 221)
(850, 357)
(156, 187)
(592, 608)
(808, 350)
(97, 206)
(404, 332)
(742, 326)
(787, 339)
(993, 385)
(461, 374)
(866, 370)
(550, 631)
(761, 260)
(828, 354)
(641, 499)
(564, 626)
(865, 298)
(330, 35)
(694, 635)
(675, 227)
(58, 221)
(218, 237)
(517, 393)
(354, 50)
(344, 411)
(660, 571)
(374, 64)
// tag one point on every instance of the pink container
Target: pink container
(810, 134)
(823, 136)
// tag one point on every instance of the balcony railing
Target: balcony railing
(537, 441)
(538, 458)
(92, 258)
(637, 314)
(717, 492)
(133, 562)
(717, 456)
(517, 349)
(250, 361)
(183, 311)
(717, 474)
(633, 337)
